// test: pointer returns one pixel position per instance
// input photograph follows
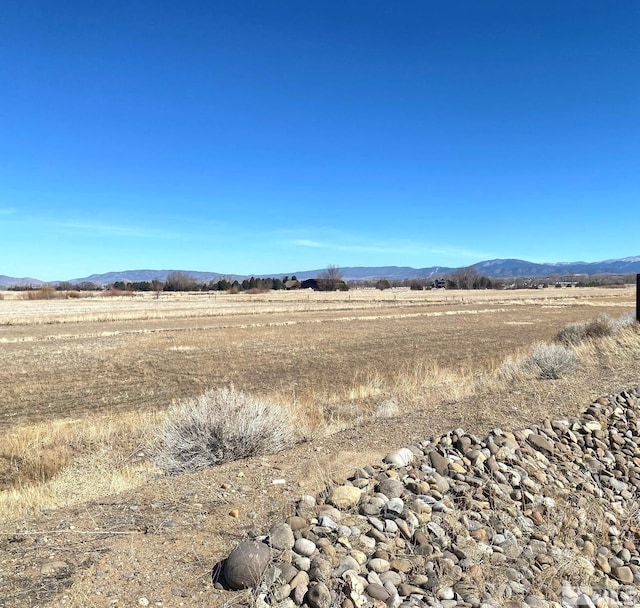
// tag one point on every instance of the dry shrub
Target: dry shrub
(576, 333)
(219, 426)
(552, 361)
(624, 322)
(388, 408)
(44, 293)
(513, 370)
(112, 292)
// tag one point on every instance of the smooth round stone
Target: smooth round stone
(345, 497)
(281, 536)
(320, 570)
(360, 483)
(319, 596)
(347, 563)
(359, 556)
(304, 547)
(306, 506)
(377, 592)
(399, 458)
(246, 564)
(446, 593)
(391, 577)
(369, 508)
(325, 521)
(401, 565)
(301, 578)
(299, 593)
(390, 526)
(331, 512)
(391, 488)
(281, 593)
(297, 523)
(302, 563)
(624, 574)
(394, 506)
(377, 564)
(404, 589)
(287, 572)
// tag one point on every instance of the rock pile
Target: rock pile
(545, 516)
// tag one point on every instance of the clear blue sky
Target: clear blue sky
(273, 136)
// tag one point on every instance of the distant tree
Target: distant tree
(178, 281)
(331, 279)
(463, 278)
(383, 284)
(157, 286)
(467, 278)
(65, 286)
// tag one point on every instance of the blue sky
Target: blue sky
(273, 136)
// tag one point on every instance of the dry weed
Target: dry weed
(221, 426)
(51, 464)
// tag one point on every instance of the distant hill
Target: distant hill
(363, 273)
(23, 282)
(508, 268)
(147, 275)
(522, 268)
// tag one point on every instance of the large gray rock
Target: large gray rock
(245, 565)
(391, 488)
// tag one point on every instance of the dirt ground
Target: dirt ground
(156, 545)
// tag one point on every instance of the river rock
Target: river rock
(319, 596)
(345, 497)
(246, 564)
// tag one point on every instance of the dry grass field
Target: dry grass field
(84, 383)
(65, 358)
(103, 363)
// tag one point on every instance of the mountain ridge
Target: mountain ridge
(496, 268)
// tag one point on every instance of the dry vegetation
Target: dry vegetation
(84, 383)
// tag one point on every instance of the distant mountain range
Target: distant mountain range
(491, 268)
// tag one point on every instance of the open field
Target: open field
(64, 358)
(84, 384)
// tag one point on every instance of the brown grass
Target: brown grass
(81, 390)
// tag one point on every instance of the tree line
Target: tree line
(331, 280)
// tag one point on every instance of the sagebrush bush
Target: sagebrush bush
(219, 426)
(552, 360)
(576, 333)
(572, 335)
(626, 320)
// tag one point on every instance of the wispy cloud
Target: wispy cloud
(407, 248)
(308, 243)
(115, 230)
